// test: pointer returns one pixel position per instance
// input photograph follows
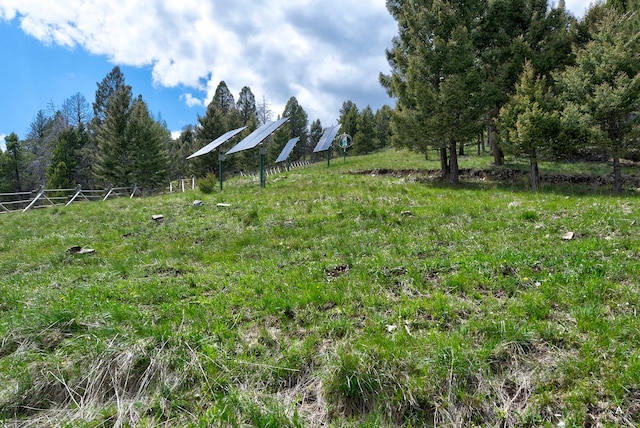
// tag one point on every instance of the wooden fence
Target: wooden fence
(41, 198)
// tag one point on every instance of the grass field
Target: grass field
(325, 299)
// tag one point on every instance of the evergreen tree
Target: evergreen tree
(315, 133)
(529, 122)
(223, 98)
(113, 163)
(364, 139)
(14, 162)
(247, 106)
(436, 76)
(60, 174)
(349, 114)
(383, 127)
(105, 92)
(210, 126)
(146, 138)
(604, 87)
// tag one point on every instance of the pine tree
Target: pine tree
(364, 139)
(223, 98)
(383, 127)
(105, 92)
(296, 126)
(315, 133)
(14, 162)
(113, 163)
(246, 106)
(62, 173)
(149, 158)
(603, 87)
(529, 122)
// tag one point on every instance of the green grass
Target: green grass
(326, 298)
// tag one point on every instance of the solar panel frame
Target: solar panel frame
(286, 151)
(327, 139)
(217, 142)
(257, 136)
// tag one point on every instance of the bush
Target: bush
(207, 184)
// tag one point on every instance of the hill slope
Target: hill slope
(327, 298)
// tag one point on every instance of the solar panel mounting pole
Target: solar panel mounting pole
(263, 180)
(221, 158)
(329, 157)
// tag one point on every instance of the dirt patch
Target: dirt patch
(506, 175)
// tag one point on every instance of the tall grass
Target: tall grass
(327, 298)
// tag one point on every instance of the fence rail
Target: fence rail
(41, 198)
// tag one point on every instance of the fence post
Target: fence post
(75, 195)
(40, 193)
(135, 189)
(109, 190)
(193, 182)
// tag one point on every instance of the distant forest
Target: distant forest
(116, 141)
(524, 76)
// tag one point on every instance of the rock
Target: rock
(77, 249)
(157, 217)
(197, 203)
(568, 236)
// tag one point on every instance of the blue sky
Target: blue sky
(174, 53)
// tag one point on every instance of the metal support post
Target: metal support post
(221, 158)
(263, 179)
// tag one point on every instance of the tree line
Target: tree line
(531, 77)
(116, 140)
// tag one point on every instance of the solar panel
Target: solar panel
(326, 139)
(257, 136)
(217, 142)
(284, 154)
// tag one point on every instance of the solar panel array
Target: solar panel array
(217, 142)
(257, 136)
(326, 139)
(284, 154)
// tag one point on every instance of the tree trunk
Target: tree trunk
(617, 173)
(498, 156)
(453, 162)
(535, 173)
(17, 172)
(461, 150)
(444, 164)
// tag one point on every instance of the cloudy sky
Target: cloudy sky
(175, 52)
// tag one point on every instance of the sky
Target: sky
(175, 53)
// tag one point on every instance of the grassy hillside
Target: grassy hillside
(327, 298)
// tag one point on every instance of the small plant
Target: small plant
(208, 184)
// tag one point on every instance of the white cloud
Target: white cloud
(3, 143)
(323, 52)
(326, 51)
(192, 101)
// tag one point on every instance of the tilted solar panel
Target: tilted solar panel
(284, 154)
(257, 136)
(327, 139)
(217, 142)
